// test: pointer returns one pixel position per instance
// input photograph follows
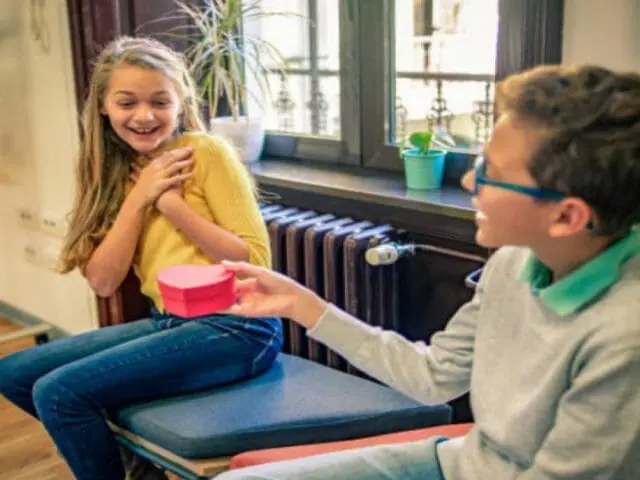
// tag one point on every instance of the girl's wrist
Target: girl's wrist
(167, 200)
(135, 202)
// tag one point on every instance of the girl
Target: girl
(152, 190)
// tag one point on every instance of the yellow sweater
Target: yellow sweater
(221, 191)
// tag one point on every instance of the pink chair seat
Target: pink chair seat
(257, 457)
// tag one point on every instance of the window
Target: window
(444, 69)
(307, 100)
(363, 74)
(308, 115)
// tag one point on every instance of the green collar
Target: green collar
(584, 285)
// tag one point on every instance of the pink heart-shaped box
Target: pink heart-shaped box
(196, 290)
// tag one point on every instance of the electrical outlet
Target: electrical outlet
(52, 225)
(28, 218)
(30, 254)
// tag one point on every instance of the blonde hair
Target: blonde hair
(104, 160)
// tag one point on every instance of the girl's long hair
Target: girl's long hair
(104, 160)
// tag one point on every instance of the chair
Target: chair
(257, 457)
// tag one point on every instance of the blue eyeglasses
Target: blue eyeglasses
(480, 170)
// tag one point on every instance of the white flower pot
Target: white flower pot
(245, 133)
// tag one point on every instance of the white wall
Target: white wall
(36, 173)
(606, 32)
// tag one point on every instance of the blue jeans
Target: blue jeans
(72, 384)
(403, 461)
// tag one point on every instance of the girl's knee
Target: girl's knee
(49, 392)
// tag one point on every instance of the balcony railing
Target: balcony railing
(308, 103)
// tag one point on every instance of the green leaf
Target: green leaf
(221, 55)
(421, 140)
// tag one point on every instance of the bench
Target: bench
(295, 402)
(303, 403)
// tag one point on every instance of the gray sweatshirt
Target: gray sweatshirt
(552, 369)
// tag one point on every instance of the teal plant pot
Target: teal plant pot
(423, 171)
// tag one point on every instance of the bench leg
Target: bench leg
(139, 468)
(164, 463)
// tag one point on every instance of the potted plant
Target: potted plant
(225, 59)
(424, 164)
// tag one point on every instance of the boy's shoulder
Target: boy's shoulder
(624, 295)
(614, 316)
(611, 318)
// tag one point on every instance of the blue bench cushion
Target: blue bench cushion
(296, 401)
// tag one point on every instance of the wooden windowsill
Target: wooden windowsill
(382, 188)
(444, 215)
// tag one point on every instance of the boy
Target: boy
(549, 346)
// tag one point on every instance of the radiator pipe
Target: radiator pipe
(391, 252)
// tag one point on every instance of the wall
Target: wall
(36, 171)
(36, 89)
(604, 32)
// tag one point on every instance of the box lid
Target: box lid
(191, 282)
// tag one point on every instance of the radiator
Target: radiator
(326, 253)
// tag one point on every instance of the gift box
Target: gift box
(196, 290)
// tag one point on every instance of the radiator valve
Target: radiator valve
(387, 253)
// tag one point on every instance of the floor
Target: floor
(26, 451)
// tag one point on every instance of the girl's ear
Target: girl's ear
(102, 108)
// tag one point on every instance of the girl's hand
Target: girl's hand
(264, 293)
(161, 174)
(169, 198)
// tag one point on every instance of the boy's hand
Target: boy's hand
(263, 292)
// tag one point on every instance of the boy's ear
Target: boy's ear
(572, 216)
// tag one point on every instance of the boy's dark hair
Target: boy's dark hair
(590, 119)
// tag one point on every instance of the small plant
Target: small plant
(423, 154)
(423, 141)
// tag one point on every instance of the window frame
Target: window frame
(345, 150)
(367, 58)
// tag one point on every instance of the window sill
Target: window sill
(379, 196)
